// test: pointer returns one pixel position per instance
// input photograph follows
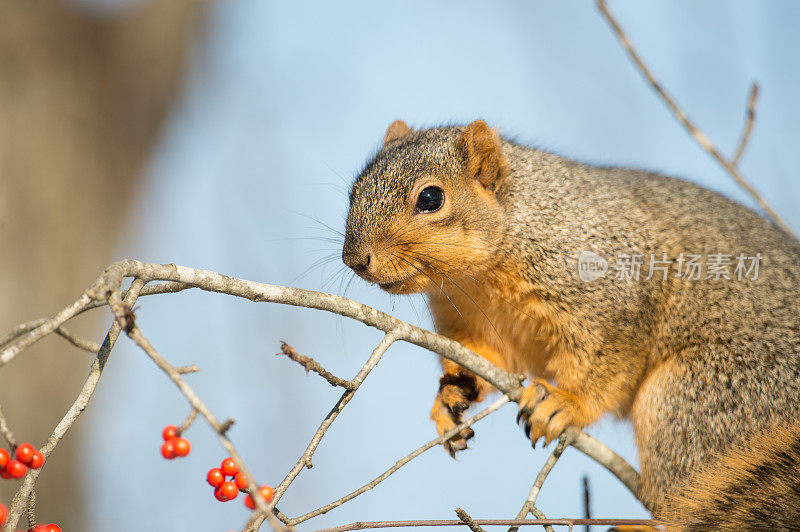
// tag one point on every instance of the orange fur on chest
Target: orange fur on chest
(502, 322)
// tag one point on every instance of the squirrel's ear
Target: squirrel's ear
(481, 148)
(396, 130)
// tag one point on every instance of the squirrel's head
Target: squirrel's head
(424, 210)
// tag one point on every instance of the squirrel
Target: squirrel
(693, 335)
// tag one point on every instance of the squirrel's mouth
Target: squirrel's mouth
(403, 286)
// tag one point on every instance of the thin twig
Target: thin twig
(693, 130)
(6, 432)
(312, 365)
(749, 120)
(587, 507)
(469, 521)
(365, 525)
(77, 341)
(189, 419)
(530, 503)
(403, 461)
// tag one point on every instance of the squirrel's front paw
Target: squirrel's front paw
(548, 411)
(454, 397)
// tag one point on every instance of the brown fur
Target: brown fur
(743, 489)
(695, 364)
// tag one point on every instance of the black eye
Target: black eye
(430, 199)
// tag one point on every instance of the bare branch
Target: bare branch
(312, 365)
(80, 404)
(469, 521)
(750, 117)
(107, 290)
(367, 525)
(403, 461)
(305, 459)
(693, 130)
(507, 383)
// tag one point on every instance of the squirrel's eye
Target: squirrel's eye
(430, 199)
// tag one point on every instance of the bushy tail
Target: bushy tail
(753, 487)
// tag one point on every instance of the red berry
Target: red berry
(16, 469)
(215, 477)
(25, 452)
(53, 528)
(265, 491)
(182, 446)
(229, 467)
(218, 495)
(226, 491)
(170, 432)
(37, 460)
(3, 514)
(168, 449)
(4, 458)
(240, 480)
(4, 473)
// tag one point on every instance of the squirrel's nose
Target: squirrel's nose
(358, 261)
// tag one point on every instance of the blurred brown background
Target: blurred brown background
(82, 96)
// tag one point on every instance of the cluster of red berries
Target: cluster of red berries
(26, 456)
(174, 444)
(37, 528)
(227, 490)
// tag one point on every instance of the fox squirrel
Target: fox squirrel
(693, 335)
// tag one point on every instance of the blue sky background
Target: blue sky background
(285, 102)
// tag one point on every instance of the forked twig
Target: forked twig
(530, 503)
(694, 131)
